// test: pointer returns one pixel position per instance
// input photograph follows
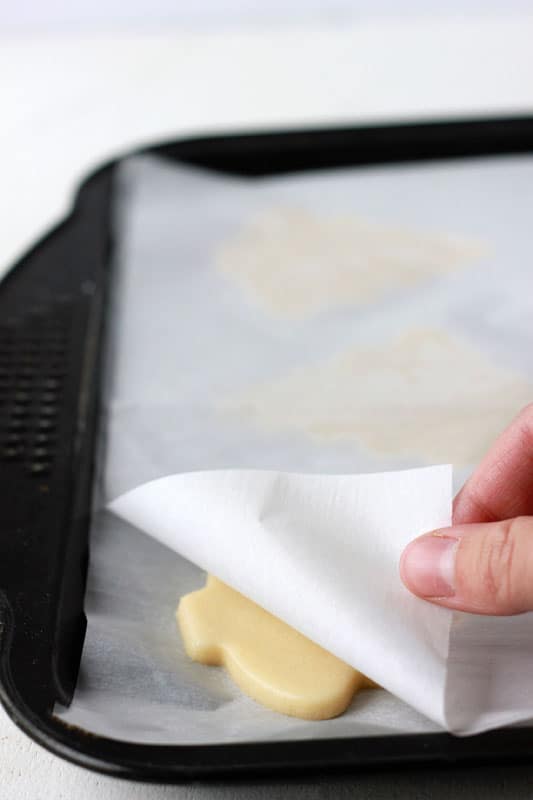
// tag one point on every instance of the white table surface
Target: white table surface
(68, 103)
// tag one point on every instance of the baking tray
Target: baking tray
(53, 308)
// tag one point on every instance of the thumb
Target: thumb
(484, 568)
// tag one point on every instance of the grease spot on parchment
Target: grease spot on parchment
(294, 263)
(425, 394)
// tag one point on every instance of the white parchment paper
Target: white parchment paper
(196, 367)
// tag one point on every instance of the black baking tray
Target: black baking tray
(53, 307)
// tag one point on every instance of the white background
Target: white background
(79, 83)
(64, 15)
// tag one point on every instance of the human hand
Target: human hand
(484, 562)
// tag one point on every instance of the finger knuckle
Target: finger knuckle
(497, 564)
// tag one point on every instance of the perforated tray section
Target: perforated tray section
(33, 365)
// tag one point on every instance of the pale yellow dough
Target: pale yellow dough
(266, 658)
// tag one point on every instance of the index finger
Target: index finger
(502, 485)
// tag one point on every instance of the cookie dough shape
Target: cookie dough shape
(267, 659)
(295, 263)
(425, 394)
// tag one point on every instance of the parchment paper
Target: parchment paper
(186, 339)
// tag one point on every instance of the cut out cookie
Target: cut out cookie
(295, 263)
(267, 659)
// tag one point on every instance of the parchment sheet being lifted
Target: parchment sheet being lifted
(344, 322)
